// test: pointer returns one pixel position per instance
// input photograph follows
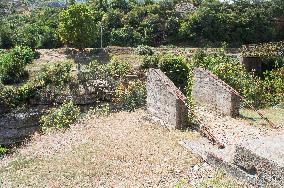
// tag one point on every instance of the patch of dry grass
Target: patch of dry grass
(276, 115)
(122, 150)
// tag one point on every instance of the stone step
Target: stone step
(263, 157)
(257, 161)
(220, 158)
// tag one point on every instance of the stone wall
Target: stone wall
(252, 64)
(162, 102)
(16, 127)
(209, 91)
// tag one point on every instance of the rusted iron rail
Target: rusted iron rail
(204, 129)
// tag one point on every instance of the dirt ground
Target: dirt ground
(121, 150)
(117, 151)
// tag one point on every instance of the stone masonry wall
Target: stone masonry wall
(15, 128)
(162, 101)
(210, 92)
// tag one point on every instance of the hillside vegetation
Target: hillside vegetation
(131, 23)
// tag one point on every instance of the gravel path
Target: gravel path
(122, 150)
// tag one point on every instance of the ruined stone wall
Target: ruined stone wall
(15, 128)
(163, 103)
(252, 64)
(210, 92)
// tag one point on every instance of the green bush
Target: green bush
(118, 68)
(62, 117)
(144, 50)
(13, 97)
(13, 63)
(3, 150)
(132, 96)
(273, 86)
(57, 74)
(150, 62)
(176, 69)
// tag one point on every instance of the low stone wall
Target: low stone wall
(163, 103)
(16, 127)
(209, 91)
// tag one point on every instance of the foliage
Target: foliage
(144, 50)
(100, 110)
(126, 36)
(62, 117)
(13, 97)
(132, 23)
(131, 96)
(118, 68)
(272, 49)
(235, 23)
(150, 62)
(77, 27)
(57, 74)
(176, 69)
(261, 92)
(13, 63)
(3, 150)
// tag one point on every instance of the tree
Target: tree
(120, 4)
(71, 2)
(77, 27)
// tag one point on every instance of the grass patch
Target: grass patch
(220, 180)
(276, 115)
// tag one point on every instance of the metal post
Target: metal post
(101, 27)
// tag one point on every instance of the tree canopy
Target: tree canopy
(195, 23)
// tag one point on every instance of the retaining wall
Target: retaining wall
(16, 127)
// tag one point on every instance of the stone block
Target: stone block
(163, 102)
(209, 91)
(264, 159)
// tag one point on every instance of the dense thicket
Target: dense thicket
(130, 23)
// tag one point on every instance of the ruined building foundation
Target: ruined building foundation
(163, 104)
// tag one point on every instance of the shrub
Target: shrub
(13, 63)
(150, 62)
(144, 50)
(77, 26)
(62, 117)
(3, 150)
(96, 70)
(118, 68)
(176, 69)
(273, 87)
(13, 97)
(57, 74)
(131, 96)
(100, 110)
